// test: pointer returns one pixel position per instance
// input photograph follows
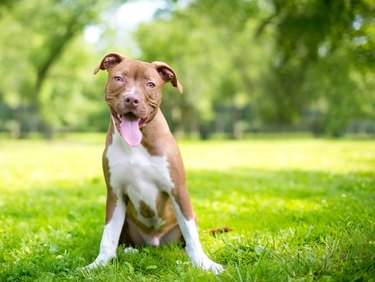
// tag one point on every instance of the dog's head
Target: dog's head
(133, 92)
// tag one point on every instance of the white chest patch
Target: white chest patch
(139, 175)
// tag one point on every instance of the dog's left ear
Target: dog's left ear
(109, 61)
(168, 74)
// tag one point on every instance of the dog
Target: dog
(147, 199)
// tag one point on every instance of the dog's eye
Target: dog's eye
(151, 84)
(118, 78)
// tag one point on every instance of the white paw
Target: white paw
(216, 268)
(99, 261)
(207, 264)
(130, 250)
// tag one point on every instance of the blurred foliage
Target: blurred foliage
(270, 64)
(246, 66)
(43, 79)
(324, 52)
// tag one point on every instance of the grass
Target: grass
(301, 210)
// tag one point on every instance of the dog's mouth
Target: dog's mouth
(129, 127)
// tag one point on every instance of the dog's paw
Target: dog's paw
(99, 262)
(91, 266)
(207, 264)
(130, 250)
(212, 266)
(216, 268)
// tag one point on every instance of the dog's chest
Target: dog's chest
(134, 172)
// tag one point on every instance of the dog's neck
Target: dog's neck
(155, 134)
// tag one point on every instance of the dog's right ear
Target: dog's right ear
(109, 61)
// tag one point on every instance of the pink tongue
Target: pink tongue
(129, 130)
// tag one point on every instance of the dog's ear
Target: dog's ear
(109, 61)
(168, 74)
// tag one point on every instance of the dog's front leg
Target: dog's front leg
(115, 218)
(185, 218)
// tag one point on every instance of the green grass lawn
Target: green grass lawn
(300, 209)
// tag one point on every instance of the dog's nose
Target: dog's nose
(131, 101)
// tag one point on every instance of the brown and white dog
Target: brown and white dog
(147, 199)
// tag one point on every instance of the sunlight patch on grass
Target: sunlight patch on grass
(37, 163)
(330, 156)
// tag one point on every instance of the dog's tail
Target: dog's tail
(219, 230)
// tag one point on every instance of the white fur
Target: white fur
(132, 91)
(130, 250)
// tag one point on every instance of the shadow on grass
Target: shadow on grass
(278, 216)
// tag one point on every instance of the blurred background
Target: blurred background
(247, 66)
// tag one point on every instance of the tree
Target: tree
(35, 46)
(323, 54)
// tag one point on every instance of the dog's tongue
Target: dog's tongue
(129, 130)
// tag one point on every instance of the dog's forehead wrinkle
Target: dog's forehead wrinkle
(136, 68)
